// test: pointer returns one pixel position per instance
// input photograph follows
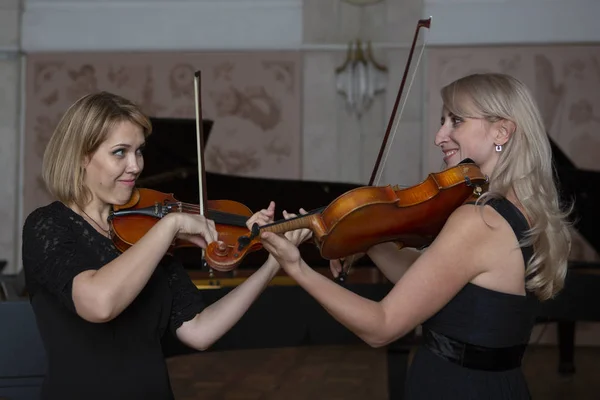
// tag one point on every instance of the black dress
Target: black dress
(119, 359)
(481, 319)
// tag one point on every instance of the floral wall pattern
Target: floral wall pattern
(253, 98)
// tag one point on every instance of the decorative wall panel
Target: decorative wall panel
(254, 99)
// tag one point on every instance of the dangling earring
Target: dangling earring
(498, 148)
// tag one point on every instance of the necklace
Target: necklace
(94, 221)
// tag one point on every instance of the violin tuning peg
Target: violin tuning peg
(222, 249)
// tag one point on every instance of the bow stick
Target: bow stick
(376, 174)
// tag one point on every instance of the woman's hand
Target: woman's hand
(283, 250)
(297, 236)
(194, 228)
(263, 217)
(343, 264)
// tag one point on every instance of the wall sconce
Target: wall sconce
(360, 77)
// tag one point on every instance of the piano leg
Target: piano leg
(566, 347)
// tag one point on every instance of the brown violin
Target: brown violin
(130, 222)
(366, 216)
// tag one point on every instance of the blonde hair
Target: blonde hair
(525, 165)
(81, 130)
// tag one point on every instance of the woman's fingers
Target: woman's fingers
(336, 267)
(262, 217)
(195, 239)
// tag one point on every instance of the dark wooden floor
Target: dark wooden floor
(348, 373)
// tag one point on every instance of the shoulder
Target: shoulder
(468, 233)
(53, 217)
(471, 219)
(49, 211)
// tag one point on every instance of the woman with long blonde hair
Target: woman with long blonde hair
(476, 288)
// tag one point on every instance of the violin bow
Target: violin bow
(376, 174)
(200, 149)
(374, 180)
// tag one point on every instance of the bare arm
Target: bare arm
(206, 328)
(392, 261)
(101, 295)
(214, 321)
(457, 256)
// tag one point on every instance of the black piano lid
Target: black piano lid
(581, 187)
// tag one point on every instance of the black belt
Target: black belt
(472, 356)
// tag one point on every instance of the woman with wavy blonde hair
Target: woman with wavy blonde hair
(476, 288)
(523, 171)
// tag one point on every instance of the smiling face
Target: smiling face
(111, 171)
(473, 138)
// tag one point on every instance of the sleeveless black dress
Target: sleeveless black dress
(473, 346)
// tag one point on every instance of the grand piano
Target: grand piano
(577, 302)
(284, 315)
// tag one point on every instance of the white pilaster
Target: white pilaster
(10, 66)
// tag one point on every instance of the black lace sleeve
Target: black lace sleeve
(53, 253)
(187, 298)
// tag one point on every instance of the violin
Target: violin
(131, 221)
(366, 216)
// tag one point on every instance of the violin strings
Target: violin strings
(296, 225)
(286, 225)
(225, 218)
(220, 217)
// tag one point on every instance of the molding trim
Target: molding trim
(151, 25)
(229, 25)
(481, 22)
